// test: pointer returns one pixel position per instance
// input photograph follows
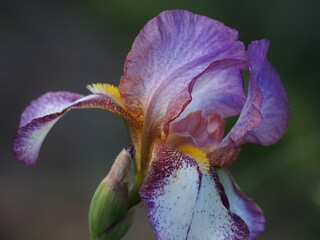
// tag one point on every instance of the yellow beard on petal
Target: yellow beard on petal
(199, 156)
(107, 89)
(134, 125)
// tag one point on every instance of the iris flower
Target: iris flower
(182, 78)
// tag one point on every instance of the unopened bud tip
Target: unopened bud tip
(131, 150)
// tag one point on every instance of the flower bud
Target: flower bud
(108, 214)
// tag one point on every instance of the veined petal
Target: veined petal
(266, 112)
(218, 154)
(224, 154)
(187, 202)
(241, 205)
(202, 131)
(47, 104)
(40, 116)
(171, 50)
(274, 109)
(219, 89)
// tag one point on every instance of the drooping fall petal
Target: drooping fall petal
(266, 112)
(171, 50)
(40, 116)
(241, 205)
(186, 201)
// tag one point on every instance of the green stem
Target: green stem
(134, 197)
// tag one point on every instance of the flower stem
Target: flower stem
(134, 197)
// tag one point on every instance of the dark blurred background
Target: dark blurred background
(53, 45)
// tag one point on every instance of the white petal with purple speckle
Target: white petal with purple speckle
(185, 203)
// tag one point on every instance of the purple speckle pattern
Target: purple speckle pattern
(181, 67)
(40, 116)
(51, 102)
(241, 205)
(185, 203)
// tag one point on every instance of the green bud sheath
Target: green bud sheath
(108, 214)
(118, 230)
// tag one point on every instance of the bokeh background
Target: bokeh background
(64, 45)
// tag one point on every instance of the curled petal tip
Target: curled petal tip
(265, 114)
(41, 115)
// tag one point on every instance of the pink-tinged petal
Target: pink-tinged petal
(224, 154)
(219, 89)
(47, 104)
(203, 132)
(184, 202)
(266, 111)
(40, 116)
(171, 50)
(241, 205)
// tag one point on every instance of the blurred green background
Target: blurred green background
(64, 45)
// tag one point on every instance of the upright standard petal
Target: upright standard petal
(241, 205)
(40, 116)
(219, 89)
(274, 109)
(266, 111)
(169, 52)
(186, 201)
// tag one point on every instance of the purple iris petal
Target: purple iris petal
(47, 104)
(204, 132)
(185, 202)
(40, 116)
(219, 91)
(241, 205)
(169, 52)
(266, 112)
